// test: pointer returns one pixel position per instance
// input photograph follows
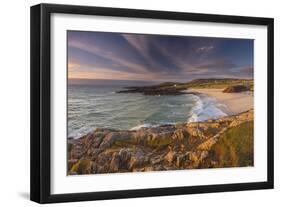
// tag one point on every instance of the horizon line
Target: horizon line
(158, 80)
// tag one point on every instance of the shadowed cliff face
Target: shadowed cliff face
(225, 142)
(236, 89)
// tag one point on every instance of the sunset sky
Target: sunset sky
(101, 55)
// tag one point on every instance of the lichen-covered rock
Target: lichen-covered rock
(112, 137)
(83, 166)
(180, 134)
(170, 156)
(193, 157)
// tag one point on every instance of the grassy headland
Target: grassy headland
(176, 88)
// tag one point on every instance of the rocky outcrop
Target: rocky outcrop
(236, 89)
(169, 147)
(154, 91)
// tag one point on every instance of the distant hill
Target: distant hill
(220, 83)
(175, 88)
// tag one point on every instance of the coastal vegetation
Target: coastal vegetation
(175, 88)
(235, 147)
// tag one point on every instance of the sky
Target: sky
(117, 56)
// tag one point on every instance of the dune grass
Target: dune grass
(236, 147)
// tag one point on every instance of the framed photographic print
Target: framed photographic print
(132, 103)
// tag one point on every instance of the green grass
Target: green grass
(235, 147)
(222, 84)
(207, 83)
(81, 167)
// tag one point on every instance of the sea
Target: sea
(92, 106)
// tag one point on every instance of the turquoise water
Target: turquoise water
(93, 106)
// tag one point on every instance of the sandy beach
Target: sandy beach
(234, 102)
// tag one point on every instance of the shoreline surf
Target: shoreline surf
(205, 107)
(234, 103)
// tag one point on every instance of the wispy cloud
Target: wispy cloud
(147, 57)
(137, 68)
(204, 49)
(154, 57)
(72, 66)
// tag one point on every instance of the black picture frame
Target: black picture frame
(41, 97)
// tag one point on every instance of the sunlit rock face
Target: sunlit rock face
(224, 142)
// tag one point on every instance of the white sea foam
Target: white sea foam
(206, 108)
(79, 132)
(97, 107)
(148, 125)
(143, 126)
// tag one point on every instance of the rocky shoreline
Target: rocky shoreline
(224, 142)
(154, 91)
